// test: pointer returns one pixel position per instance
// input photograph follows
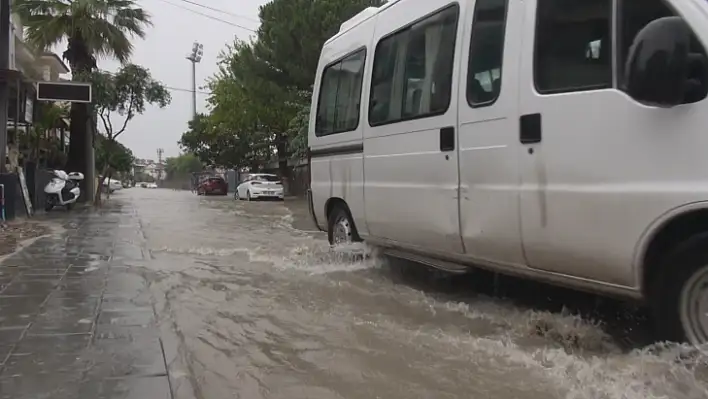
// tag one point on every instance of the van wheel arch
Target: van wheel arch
(334, 204)
(675, 255)
(670, 235)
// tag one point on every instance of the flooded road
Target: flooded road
(259, 308)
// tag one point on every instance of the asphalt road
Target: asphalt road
(166, 294)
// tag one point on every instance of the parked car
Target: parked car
(112, 185)
(260, 186)
(151, 185)
(213, 186)
(494, 135)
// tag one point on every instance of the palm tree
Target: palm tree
(93, 29)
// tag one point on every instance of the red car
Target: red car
(213, 186)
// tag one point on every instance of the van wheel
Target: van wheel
(680, 294)
(340, 227)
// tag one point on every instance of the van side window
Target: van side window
(573, 45)
(339, 102)
(633, 16)
(486, 52)
(412, 74)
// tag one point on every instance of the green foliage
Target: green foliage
(51, 115)
(93, 28)
(297, 132)
(260, 97)
(125, 93)
(182, 166)
(292, 33)
(112, 154)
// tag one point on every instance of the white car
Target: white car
(112, 185)
(152, 185)
(260, 186)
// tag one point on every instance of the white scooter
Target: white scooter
(62, 190)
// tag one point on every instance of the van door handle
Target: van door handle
(530, 128)
(447, 139)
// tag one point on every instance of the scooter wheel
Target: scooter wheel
(48, 207)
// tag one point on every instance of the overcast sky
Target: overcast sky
(164, 50)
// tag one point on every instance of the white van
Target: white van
(559, 140)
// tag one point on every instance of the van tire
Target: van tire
(680, 271)
(340, 219)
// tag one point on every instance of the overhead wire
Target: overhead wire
(208, 16)
(187, 90)
(220, 10)
(170, 87)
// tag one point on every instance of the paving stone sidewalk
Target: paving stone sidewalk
(13, 234)
(76, 314)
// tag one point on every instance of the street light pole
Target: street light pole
(194, 57)
(194, 89)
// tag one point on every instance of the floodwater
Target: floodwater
(259, 308)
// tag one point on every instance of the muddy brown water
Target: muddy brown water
(263, 309)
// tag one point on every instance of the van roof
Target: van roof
(362, 16)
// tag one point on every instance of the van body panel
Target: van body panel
(337, 165)
(411, 185)
(489, 141)
(578, 207)
(606, 168)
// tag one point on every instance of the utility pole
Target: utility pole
(160, 151)
(194, 57)
(4, 83)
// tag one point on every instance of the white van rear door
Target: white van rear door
(411, 169)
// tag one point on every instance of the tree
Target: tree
(292, 33)
(124, 94)
(261, 93)
(50, 116)
(216, 143)
(298, 129)
(182, 166)
(118, 159)
(92, 28)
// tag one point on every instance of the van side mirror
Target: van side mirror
(657, 68)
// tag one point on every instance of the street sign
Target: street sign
(75, 92)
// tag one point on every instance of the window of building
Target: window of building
(573, 46)
(339, 102)
(412, 74)
(486, 52)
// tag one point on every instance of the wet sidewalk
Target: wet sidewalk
(77, 318)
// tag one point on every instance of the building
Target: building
(155, 170)
(32, 65)
(27, 66)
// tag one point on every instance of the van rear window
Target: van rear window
(339, 102)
